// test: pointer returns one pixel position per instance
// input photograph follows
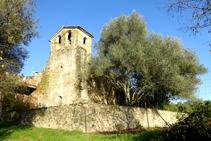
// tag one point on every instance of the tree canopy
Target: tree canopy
(17, 28)
(198, 20)
(137, 62)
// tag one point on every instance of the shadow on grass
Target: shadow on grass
(7, 128)
(150, 135)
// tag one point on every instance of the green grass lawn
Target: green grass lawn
(19, 132)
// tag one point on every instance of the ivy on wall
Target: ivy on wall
(44, 82)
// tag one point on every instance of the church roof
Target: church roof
(68, 27)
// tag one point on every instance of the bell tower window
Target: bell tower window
(84, 41)
(60, 40)
(69, 36)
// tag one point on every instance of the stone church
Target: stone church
(57, 84)
(68, 47)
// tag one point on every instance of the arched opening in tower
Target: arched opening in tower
(69, 36)
(60, 40)
(84, 40)
(60, 100)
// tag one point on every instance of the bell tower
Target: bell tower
(69, 46)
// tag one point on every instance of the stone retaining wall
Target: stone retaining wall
(98, 117)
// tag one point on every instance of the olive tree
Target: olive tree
(137, 62)
(17, 29)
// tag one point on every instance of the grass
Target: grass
(19, 132)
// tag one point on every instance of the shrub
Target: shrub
(138, 126)
(171, 107)
(194, 127)
(11, 103)
(119, 127)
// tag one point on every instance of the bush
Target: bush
(139, 126)
(119, 127)
(195, 127)
(172, 107)
(11, 103)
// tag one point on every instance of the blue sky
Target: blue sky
(93, 14)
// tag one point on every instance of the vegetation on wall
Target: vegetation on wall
(44, 83)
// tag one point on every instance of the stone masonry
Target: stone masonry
(69, 46)
(99, 117)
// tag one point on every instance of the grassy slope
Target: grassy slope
(19, 132)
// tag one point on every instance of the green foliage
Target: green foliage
(11, 104)
(44, 82)
(19, 25)
(1, 60)
(176, 68)
(113, 64)
(156, 126)
(195, 127)
(139, 126)
(186, 107)
(119, 127)
(208, 103)
(150, 135)
(17, 28)
(9, 87)
(171, 107)
(134, 62)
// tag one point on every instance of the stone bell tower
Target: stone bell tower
(69, 46)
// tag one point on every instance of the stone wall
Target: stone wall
(98, 117)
